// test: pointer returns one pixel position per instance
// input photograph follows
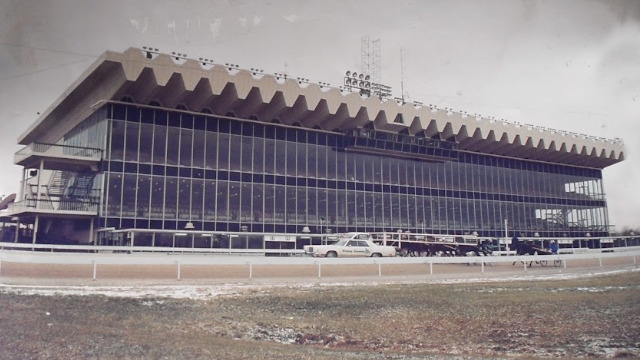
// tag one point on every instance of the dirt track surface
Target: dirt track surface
(57, 274)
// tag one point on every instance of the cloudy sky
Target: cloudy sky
(570, 65)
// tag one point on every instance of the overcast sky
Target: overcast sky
(569, 65)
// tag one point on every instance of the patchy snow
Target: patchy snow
(142, 291)
(205, 292)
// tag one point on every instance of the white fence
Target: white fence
(109, 255)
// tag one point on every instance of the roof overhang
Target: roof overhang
(222, 90)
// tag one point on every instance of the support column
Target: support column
(17, 231)
(35, 229)
(91, 234)
(38, 186)
(23, 183)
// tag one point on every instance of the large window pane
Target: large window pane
(332, 163)
(198, 148)
(171, 198)
(173, 151)
(209, 200)
(291, 205)
(281, 157)
(186, 145)
(144, 196)
(301, 159)
(159, 144)
(235, 152)
(245, 203)
(129, 195)
(157, 197)
(301, 203)
(291, 158)
(258, 155)
(211, 154)
(184, 199)
(269, 203)
(269, 156)
(247, 153)
(146, 143)
(132, 141)
(280, 205)
(234, 201)
(221, 201)
(258, 203)
(223, 151)
(117, 140)
(114, 194)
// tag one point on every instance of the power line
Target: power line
(86, 57)
(49, 50)
(43, 70)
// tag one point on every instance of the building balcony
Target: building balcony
(71, 208)
(58, 157)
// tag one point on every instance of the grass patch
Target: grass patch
(596, 317)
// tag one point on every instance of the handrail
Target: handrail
(57, 150)
(53, 205)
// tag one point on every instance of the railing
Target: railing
(53, 205)
(55, 150)
(101, 257)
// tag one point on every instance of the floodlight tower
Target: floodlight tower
(370, 58)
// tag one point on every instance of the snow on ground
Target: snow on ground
(207, 292)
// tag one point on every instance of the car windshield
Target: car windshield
(341, 242)
(354, 235)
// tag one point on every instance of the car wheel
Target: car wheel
(331, 254)
(376, 255)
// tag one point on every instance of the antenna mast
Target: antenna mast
(370, 58)
(402, 75)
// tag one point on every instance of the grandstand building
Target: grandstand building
(152, 149)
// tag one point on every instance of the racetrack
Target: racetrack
(29, 268)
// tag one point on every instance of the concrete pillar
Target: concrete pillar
(23, 184)
(35, 229)
(38, 183)
(15, 235)
(91, 234)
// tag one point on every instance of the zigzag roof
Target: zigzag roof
(223, 90)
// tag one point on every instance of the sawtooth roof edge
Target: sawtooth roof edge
(339, 111)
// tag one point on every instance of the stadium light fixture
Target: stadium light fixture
(357, 81)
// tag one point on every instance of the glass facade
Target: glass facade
(164, 168)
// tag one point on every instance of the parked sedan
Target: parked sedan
(350, 245)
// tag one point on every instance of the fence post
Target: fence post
(482, 266)
(525, 266)
(430, 268)
(178, 270)
(95, 269)
(564, 262)
(250, 269)
(319, 269)
(600, 261)
(379, 269)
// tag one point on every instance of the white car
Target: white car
(350, 245)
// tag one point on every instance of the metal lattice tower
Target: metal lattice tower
(370, 58)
